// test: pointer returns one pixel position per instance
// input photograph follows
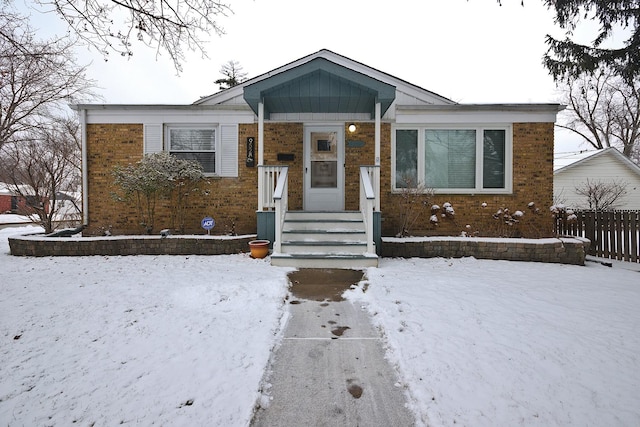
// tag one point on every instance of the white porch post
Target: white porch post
(260, 155)
(376, 180)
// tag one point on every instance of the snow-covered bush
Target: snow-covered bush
(563, 216)
(447, 213)
(158, 176)
(504, 222)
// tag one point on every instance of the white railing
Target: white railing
(281, 202)
(374, 177)
(367, 202)
(267, 180)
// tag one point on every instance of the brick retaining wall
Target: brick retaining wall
(37, 245)
(560, 250)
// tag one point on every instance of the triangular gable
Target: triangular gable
(416, 93)
(610, 151)
(319, 86)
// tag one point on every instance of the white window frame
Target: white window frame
(197, 126)
(479, 128)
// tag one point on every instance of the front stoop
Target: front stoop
(324, 240)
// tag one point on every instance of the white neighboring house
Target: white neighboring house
(607, 165)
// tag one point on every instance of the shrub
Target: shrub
(414, 198)
(158, 176)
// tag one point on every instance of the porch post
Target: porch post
(261, 133)
(376, 180)
(260, 156)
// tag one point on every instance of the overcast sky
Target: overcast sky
(469, 51)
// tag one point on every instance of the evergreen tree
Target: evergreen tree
(567, 59)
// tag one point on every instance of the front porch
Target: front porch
(322, 230)
(319, 239)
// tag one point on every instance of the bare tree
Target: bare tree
(37, 78)
(232, 71)
(113, 26)
(604, 110)
(602, 195)
(43, 167)
(635, 155)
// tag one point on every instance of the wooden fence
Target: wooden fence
(613, 234)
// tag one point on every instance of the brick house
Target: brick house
(14, 203)
(319, 156)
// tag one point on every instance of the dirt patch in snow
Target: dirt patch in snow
(323, 284)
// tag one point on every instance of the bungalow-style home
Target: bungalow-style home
(324, 155)
(607, 167)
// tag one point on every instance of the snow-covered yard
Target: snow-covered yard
(184, 340)
(500, 343)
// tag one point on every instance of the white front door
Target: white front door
(324, 168)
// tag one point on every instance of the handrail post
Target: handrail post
(367, 204)
(281, 201)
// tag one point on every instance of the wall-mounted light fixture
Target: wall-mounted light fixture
(352, 128)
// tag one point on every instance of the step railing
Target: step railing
(281, 204)
(367, 203)
(267, 179)
(374, 176)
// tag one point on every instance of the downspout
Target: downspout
(85, 177)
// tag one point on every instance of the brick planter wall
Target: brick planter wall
(561, 250)
(37, 245)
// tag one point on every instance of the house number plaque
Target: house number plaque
(251, 147)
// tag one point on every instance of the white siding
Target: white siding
(605, 168)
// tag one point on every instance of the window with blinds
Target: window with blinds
(454, 160)
(191, 143)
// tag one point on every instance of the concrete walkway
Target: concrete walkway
(330, 369)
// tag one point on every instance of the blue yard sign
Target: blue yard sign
(208, 223)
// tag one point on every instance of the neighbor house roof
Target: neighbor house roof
(568, 161)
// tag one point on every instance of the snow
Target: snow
(488, 343)
(174, 340)
(13, 219)
(184, 340)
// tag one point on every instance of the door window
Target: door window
(324, 160)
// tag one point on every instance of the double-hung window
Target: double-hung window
(194, 143)
(466, 159)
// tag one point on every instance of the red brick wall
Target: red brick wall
(5, 203)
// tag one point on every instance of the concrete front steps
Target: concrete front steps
(324, 240)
